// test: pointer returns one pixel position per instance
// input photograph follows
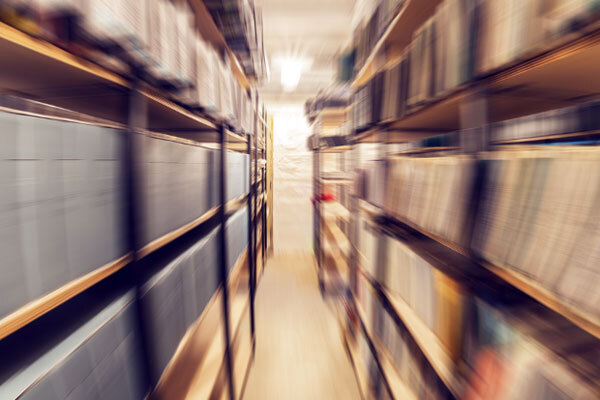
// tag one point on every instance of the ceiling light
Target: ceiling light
(291, 69)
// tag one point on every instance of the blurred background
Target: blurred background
(273, 199)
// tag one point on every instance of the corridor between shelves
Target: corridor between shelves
(299, 348)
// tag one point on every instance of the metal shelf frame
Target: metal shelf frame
(136, 118)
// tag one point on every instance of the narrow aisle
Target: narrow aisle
(299, 350)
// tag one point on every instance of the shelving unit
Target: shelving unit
(386, 364)
(328, 144)
(457, 123)
(538, 81)
(411, 15)
(40, 80)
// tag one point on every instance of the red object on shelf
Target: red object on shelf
(324, 197)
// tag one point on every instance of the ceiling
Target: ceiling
(313, 30)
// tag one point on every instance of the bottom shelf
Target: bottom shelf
(425, 338)
(398, 388)
(36, 308)
(360, 369)
(197, 367)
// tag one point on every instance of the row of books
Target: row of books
(367, 243)
(63, 202)
(438, 59)
(337, 96)
(155, 33)
(483, 325)
(366, 365)
(177, 295)
(580, 118)
(441, 52)
(435, 298)
(95, 351)
(371, 185)
(463, 40)
(175, 179)
(364, 109)
(237, 236)
(433, 193)
(408, 360)
(414, 369)
(370, 30)
(215, 89)
(512, 29)
(536, 213)
(538, 217)
(519, 351)
(100, 358)
(240, 21)
(159, 35)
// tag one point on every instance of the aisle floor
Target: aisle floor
(299, 349)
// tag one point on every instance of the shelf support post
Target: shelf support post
(263, 184)
(255, 208)
(251, 249)
(317, 207)
(354, 237)
(223, 266)
(137, 118)
(474, 134)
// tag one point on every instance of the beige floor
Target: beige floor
(299, 352)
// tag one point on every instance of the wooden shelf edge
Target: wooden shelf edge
(153, 96)
(46, 49)
(358, 367)
(341, 182)
(241, 348)
(236, 313)
(238, 71)
(362, 76)
(176, 233)
(236, 204)
(211, 316)
(230, 207)
(333, 232)
(36, 308)
(334, 209)
(399, 388)
(335, 149)
(530, 287)
(428, 342)
(49, 50)
(426, 339)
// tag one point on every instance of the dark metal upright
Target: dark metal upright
(317, 209)
(251, 249)
(136, 123)
(254, 214)
(263, 185)
(354, 229)
(223, 267)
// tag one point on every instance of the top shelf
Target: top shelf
(211, 33)
(555, 76)
(41, 71)
(396, 37)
